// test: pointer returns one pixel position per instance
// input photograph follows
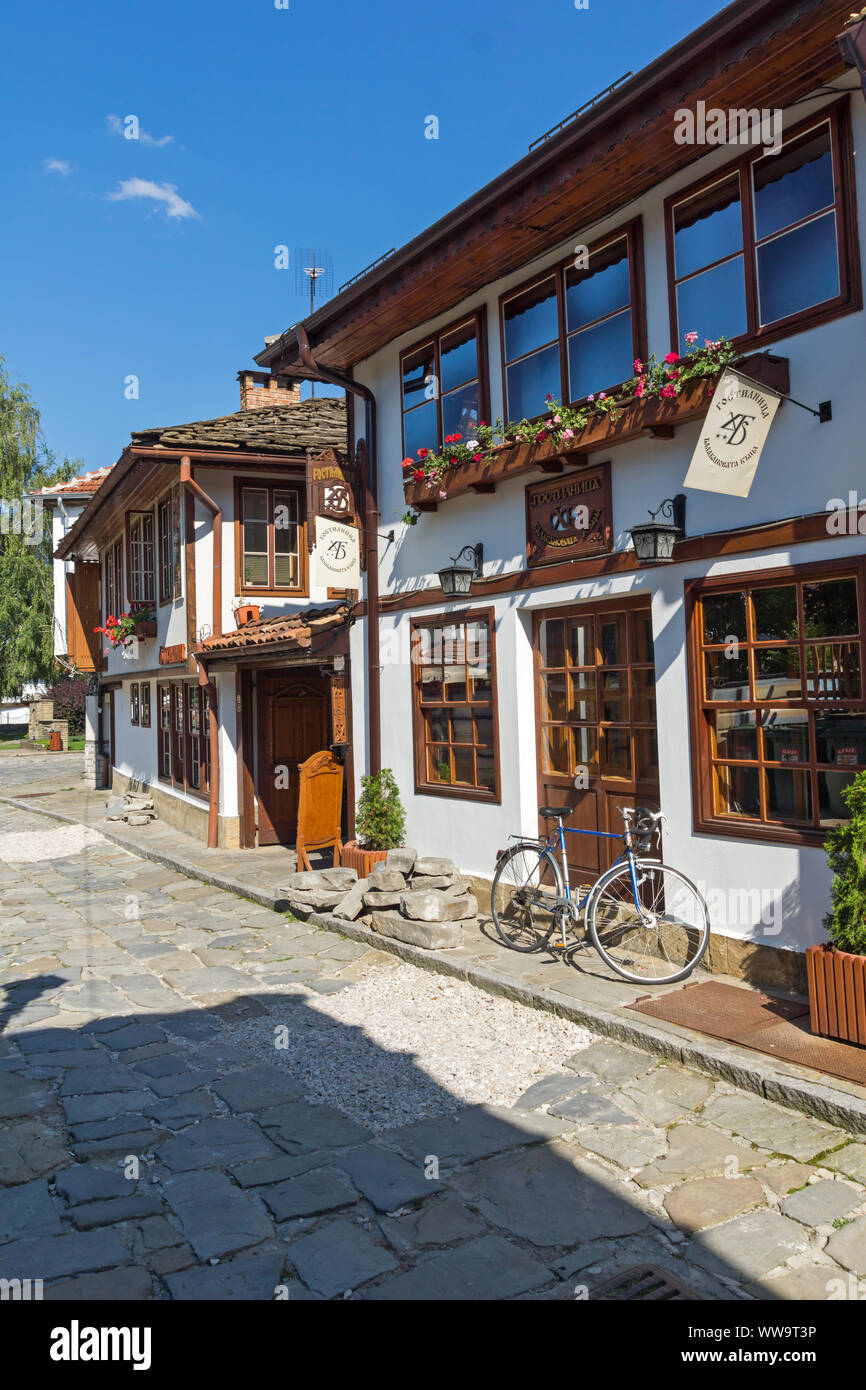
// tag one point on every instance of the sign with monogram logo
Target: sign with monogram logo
(337, 556)
(734, 432)
(569, 518)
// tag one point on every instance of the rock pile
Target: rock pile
(424, 901)
(136, 808)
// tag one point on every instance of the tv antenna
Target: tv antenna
(314, 270)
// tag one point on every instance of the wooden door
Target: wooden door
(294, 723)
(596, 711)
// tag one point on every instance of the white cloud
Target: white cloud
(164, 194)
(131, 130)
(57, 166)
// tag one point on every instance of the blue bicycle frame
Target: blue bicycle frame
(557, 841)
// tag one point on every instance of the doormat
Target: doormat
(776, 1027)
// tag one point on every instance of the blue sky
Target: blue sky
(301, 127)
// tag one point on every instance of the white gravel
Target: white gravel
(33, 846)
(404, 1045)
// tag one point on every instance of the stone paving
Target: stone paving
(152, 1148)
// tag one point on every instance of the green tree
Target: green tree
(26, 603)
(381, 821)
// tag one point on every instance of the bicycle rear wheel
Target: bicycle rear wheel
(526, 885)
(658, 942)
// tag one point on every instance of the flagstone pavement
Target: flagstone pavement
(154, 1144)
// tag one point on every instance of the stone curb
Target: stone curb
(738, 1067)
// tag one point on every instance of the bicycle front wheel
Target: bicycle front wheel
(526, 886)
(658, 939)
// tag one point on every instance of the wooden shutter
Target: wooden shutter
(83, 645)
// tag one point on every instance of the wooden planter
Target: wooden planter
(145, 628)
(653, 418)
(361, 860)
(837, 993)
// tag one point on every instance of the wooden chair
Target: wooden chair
(320, 800)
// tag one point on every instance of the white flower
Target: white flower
(472, 444)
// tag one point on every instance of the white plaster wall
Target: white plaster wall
(804, 465)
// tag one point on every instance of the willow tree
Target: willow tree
(26, 602)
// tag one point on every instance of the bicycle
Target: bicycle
(647, 921)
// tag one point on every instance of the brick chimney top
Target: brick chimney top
(259, 389)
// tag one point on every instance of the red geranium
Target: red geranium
(418, 475)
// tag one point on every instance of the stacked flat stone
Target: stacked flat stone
(421, 900)
(136, 808)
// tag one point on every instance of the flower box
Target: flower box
(361, 860)
(652, 418)
(837, 993)
(145, 627)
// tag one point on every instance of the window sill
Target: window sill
(273, 593)
(457, 793)
(805, 837)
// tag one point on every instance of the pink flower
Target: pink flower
(672, 357)
(568, 434)
(602, 396)
(668, 391)
(442, 494)
(638, 365)
(476, 458)
(557, 419)
(590, 398)
(691, 339)
(539, 438)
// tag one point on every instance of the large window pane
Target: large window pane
(600, 357)
(459, 358)
(460, 411)
(528, 383)
(417, 369)
(530, 319)
(736, 734)
(798, 269)
(841, 738)
(713, 304)
(793, 184)
(830, 608)
(724, 618)
(777, 673)
(420, 429)
(786, 735)
(708, 228)
(603, 289)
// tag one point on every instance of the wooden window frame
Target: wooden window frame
(182, 741)
(479, 318)
(136, 601)
(850, 298)
(163, 754)
(144, 704)
(271, 485)
(452, 790)
(168, 545)
(134, 706)
(706, 820)
(112, 562)
(632, 233)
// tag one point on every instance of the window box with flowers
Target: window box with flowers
(120, 632)
(659, 397)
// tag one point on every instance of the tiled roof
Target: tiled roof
(282, 429)
(84, 486)
(295, 630)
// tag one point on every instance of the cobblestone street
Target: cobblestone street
(192, 1106)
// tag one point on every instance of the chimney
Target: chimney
(259, 389)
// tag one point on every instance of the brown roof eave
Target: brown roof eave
(704, 45)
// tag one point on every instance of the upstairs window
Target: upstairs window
(763, 248)
(142, 560)
(112, 562)
(576, 330)
(444, 386)
(271, 549)
(168, 513)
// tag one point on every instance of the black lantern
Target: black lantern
(456, 579)
(654, 540)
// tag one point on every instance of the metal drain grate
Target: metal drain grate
(645, 1283)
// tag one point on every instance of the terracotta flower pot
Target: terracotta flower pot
(247, 613)
(361, 860)
(837, 993)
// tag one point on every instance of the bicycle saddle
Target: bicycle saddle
(554, 812)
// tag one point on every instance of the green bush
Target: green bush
(381, 820)
(68, 696)
(846, 855)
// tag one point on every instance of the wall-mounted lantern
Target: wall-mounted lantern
(456, 579)
(654, 540)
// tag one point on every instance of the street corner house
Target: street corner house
(645, 584)
(224, 661)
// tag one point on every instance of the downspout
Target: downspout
(188, 482)
(371, 535)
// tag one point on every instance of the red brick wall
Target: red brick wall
(259, 389)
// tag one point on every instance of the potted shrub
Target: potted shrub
(837, 969)
(380, 823)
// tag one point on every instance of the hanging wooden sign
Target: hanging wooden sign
(569, 518)
(331, 489)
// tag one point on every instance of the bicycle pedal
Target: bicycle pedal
(560, 945)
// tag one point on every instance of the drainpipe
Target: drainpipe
(371, 534)
(187, 481)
